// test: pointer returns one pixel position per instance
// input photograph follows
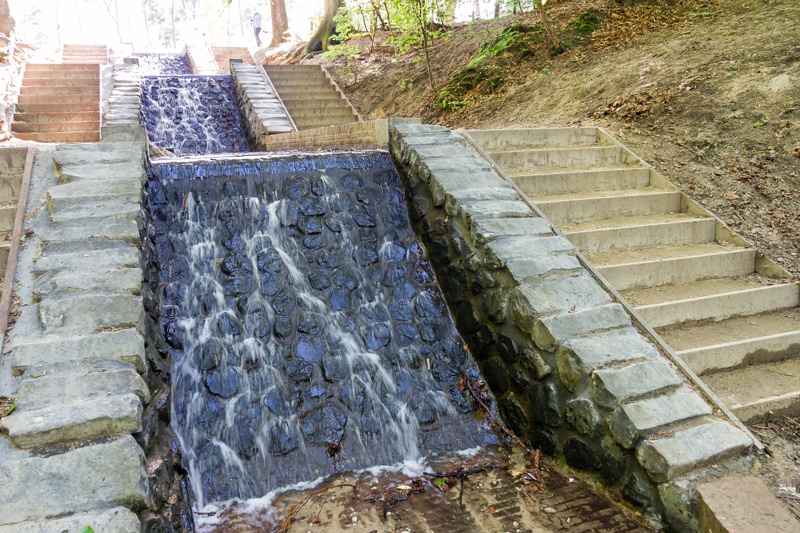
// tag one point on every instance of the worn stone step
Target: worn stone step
(625, 233)
(126, 345)
(7, 215)
(61, 136)
(55, 92)
(78, 381)
(85, 479)
(760, 392)
(323, 123)
(79, 116)
(587, 206)
(88, 81)
(101, 209)
(653, 267)
(322, 113)
(589, 156)
(95, 229)
(116, 520)
(85, 419)
(716, 299)
(90, 313)
(58, 67)
(68, 74)
(56, 127)
(307, 86)
(65, 100)
(492, 140)
(110, 171)
(104, 153)
(91, 279)
(736, 342)
(291, 98)
(33, 108)
(77, 192)
(571, 180)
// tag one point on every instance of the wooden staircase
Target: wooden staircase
(224, 53)
(58, 103)
(84, 53)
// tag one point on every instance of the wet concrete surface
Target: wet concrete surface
(505, 498)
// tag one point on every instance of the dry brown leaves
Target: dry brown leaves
(624, 24)
(639, 104)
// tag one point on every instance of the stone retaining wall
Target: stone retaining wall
(571, 373)
(357, 135)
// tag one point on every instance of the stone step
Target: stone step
(117, 520)
(583, 207)
(58, 116)
(532, 159)
(73, 382)
(667, 265)
(299, 77)
(72, 74)
(84, 314)
(95, 280)
(85, 479)
(55, 92)
(760, 392)
(301, 103)
(322, 113)
(61, 137)
(625, 233)
(64, 99)
(103, 209)
(77, 192)
(716, 299)
(104, 153)
(735, 342)
(91, 230)
(126, 345)
(493, 140)
(56, 127)
(298, 99)
(7, 215)
(84, 419)
(58, 67)
(61, 82)
(5, 248)
(323, 123)
(109, 171)
(32, 108)
(321, 84)
(569, 180)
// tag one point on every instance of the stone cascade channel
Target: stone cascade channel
(305, 327)
(192, 114)
(155, 64)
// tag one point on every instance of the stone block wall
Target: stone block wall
(572, 375)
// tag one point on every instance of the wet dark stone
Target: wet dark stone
(275, 401)
(507, 349)
(418, 208)
(283, 303)
(282, 439)
(342, 300)
(347, 278)
(519, 380)
(426, 306)
(611, 461)
(315, 242)
(394, 274)
(228, 325)
(393, 252)
(324, 425)
(296, 188)
(405, 335)
(241, 285)
(377, 336)
(430, 330)
(283, 327)
(299, 370)
(172, 335)
(223, 383)
(496, 375)
(467, 318)
(310, 348)
(545, 440)
(269, 261)
(363, 216)
(579, 454)
(401, 310)
(546, 403)
(310, 225)
(366, 255)
(639, 490)
(334, 368)
(311, 206)
(483, 280)
(314, 325)
(319, 278)
(513, 414)
(423, 273)
(257, 325)
(495, 305)
(332, 259)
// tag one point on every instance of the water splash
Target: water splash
(305, 327)
(192, 114)
(157, 64)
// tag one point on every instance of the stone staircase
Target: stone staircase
(123, 101)
(730, 315)
(311, 96)
(222, 54)
(84, 53)
(58, 103)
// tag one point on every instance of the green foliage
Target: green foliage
(705, 15)
(586, 23)
(348, 52)
(87, 529)
(406, 84)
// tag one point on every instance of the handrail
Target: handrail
(637, 319)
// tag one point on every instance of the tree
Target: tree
(6, 21)
(477, 12)
(327, 27)
(280, 22)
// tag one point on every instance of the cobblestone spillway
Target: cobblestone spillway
(192, 114)
(304, 328)
(154, 64)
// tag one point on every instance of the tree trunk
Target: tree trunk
(496, 8)
(477, 11)
(280, 22)
(556, 44)
(6, 21)
(172, 14)
(327, 27)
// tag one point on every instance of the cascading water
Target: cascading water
(192, 114)
(151, 64)
(305, 329)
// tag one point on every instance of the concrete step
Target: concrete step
(625, 233)
(309, 125)
(87, 478)
(61, 82)
(86, 419)
(79, 116)
(300, 84)
(304, 100)
(491, 140)
(64, 99)
(715, 299)
(47, 127)
(56, 108)
(666, 265)
(55, 92)
(570, 180)
(533, 159)
(48, 75)
(303, 75)
(61, 137)
(298, 102)
(323, 112)
(736, 342)
(582, 207)
(7, 215)
(58, 67)
(761, 392)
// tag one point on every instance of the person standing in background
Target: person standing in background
(257, 26)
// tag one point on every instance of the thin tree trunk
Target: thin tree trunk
(477, 11)
(556, 44)
(280, 21)
(146, 22)
(172, 14)
(496, 8)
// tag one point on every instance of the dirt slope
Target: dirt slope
(708, 93)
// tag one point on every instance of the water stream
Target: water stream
(159, 64)
(306, 332)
